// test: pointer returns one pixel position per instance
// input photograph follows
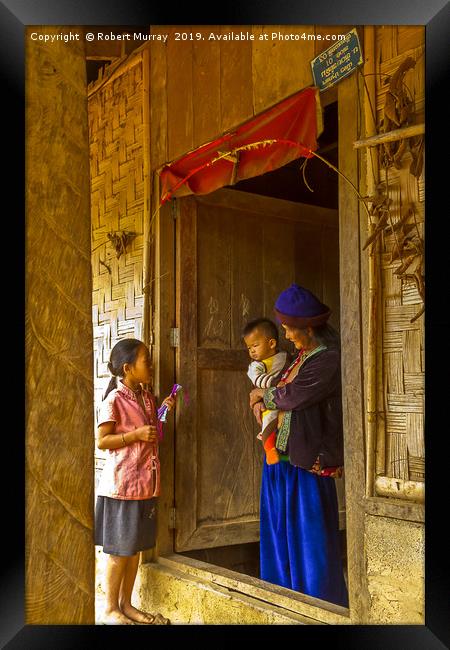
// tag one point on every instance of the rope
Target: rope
(303, 170)
(345, 178)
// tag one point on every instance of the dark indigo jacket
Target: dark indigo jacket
(314, 397)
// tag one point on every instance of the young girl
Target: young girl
(125, 513)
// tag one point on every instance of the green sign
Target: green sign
(336, 63)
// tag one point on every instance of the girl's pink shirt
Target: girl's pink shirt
(133, 471)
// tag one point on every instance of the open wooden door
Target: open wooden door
(235, 253)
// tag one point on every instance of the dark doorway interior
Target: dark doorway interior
(242, 558)
(288, 183)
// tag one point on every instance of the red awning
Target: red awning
(287, 131)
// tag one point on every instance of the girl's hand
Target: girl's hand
(256, 395)
(170, 402)
(147, 433)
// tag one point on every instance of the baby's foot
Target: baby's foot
(116, 617)
(272, 456)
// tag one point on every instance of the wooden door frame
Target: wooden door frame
(163, 359)
(192, 357)
(352, 301)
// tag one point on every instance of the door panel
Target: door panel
(247, 264)
(234, 256)
(226, 490)
(279, 260)
(214, 270)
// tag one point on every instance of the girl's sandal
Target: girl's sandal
(159, 619)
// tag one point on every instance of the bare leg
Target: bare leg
(126, 589)
(115, 569)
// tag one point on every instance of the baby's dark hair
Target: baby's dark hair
(267, 327)
(125, 351)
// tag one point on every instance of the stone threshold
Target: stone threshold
(312, 611)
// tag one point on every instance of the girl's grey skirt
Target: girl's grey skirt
(123, 526)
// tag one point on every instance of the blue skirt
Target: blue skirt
(124, 526)
(299, 533)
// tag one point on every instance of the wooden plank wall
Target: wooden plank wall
(117, 203)
(199, 89)
(403, 341)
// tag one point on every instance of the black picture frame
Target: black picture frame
(14, 17)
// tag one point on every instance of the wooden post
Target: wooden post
(351, 345)
(60, 583)
(164, 358)
(147, 262)
(160, 299)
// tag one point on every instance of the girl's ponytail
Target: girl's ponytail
(111, 386)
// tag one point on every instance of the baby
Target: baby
(261, 338)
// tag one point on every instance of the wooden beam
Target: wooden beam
(102, 58)
(279, 208)
(328, 96)
(395, 508)
(395, 487)
(391, 136)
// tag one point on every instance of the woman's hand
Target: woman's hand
(256, 395)
(147, 433)
(257, 412)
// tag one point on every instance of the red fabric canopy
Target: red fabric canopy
(270, 140)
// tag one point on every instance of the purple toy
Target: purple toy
(162, 411)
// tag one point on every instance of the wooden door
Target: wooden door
(235, 253)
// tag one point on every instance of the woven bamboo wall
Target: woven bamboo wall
(403, 341)
(116, 134)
